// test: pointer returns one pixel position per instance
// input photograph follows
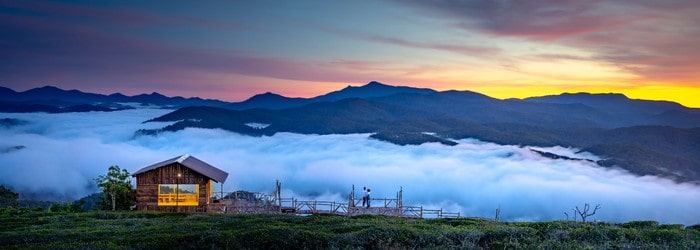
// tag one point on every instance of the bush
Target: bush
(641, 224)
(672, 226)
(66, 208)
(7, 197)
(60, 228)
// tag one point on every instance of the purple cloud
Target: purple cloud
(463, 49)
(653, 39)
(538, 19)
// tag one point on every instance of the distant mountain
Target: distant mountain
(614, 103)
(624, 110)
(29, 108)
(269, 101)
(55, 100)
(371, 90)
(643, 137)
(635, 135)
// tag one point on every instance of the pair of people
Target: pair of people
(365, 196)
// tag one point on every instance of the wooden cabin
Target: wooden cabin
(182, 184)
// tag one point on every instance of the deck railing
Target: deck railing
(247, 202)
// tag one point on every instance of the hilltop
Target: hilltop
(263, 231)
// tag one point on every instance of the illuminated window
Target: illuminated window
(185, 195)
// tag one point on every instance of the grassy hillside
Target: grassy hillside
(142, 230)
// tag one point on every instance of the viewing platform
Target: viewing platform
(256, 203)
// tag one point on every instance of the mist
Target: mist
(64, 153)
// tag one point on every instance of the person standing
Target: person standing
(368, 194)
(364, 196)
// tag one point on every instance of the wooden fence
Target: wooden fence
(251, 203)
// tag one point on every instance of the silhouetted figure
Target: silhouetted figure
(368, 192)
(364, 196)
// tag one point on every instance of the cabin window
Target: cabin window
(178, 195)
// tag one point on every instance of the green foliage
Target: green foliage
(641, 224)
(73, 207)
(117, 188)
(24, 228)
(94, 201)
(672, 226)
(7, 197)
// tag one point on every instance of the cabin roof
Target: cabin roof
(193, 163)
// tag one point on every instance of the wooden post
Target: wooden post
(278, 192)
(351, 202)
(401, 197)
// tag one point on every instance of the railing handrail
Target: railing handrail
(386, 206)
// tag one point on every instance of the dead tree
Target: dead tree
(584, 214)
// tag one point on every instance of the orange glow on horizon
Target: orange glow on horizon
(686, 96)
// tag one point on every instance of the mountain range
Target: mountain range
(643, 137)
(54, 100)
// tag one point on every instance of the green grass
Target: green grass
(148, 230)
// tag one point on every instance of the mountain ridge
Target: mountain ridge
(625, 137)
(643, 137)
(55, 100)
(372, 89)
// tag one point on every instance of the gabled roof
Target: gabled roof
(193, 163)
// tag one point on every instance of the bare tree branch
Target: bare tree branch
(584, 214)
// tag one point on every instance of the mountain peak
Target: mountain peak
(6, 91)
(266, 96)
(375, 83)
(609, 102)
(48, 87)
(45, 89)
(595, 95)
(370, 90)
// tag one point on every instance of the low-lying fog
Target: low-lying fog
(65, 152)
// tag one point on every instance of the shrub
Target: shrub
(672, 226)
(641, 224)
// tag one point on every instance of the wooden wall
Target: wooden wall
(147, 187)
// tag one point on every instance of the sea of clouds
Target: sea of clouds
(64, 153)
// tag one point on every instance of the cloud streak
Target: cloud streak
(98, 47)
(65, 151)
(652, 39)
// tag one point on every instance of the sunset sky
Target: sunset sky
(231, 50)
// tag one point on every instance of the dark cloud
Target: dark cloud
(65, 151)
(538, 19)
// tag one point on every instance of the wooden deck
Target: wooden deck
(256, 203)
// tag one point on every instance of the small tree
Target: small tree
(7, 197)
(116, 184)
(584, 214)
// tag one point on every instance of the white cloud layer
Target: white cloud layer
(64, 152)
